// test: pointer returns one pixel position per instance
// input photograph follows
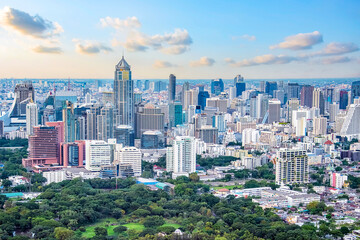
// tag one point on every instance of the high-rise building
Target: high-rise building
(190, 98)
(32, 119)
(172, 87)
(24, 93)
(203, 95)
(1, 128)
(239, 85)
(208, 134)
(320, 126)
(185, 87)
(175, 114)
(220, 104)
(124, 134)
(262, 86)
(149, 118)
(344, 99)
(217, 86)
(318, 100)
(306, 96)
(333, 111)
(293, 104)
(130, 156)
(91, 123)
(107, 121)
(293, 90)
(44, 146)
(69, 122)
(98, 153)
(139, 84)
(270, 87)
(219, 122)
(351, 124)
(274, 111)
(338, 180)
(124, 93)
(72, 154)
(181, 156)
(146, 85)
(291, 166)
(280, 95)
(355, 90)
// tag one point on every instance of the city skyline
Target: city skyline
(320, 40)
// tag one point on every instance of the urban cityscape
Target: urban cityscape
(220, 154)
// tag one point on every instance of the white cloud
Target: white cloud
(90, 48)
(45, 49)
(117, 23)
(335, 48)
(163, 64)
(204, 61)
(246, 37)
(300, 41)
(25, 24)
(336, 59)
(175, 50)
(264, 60)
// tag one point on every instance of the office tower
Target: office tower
(181, 156)
(69, 122)
(191, 111)
(337, 180)
(137, 98)
(280, 95)
(239, 85)
(157, 86)
(299, 121)
(203, 95)
(130, 156)
(185, 87)
(1, 128)
(262, 86)
(172, 87)
(152, 140)
(44, 146)
(88, 98)
(306, 96)
(146, 85)
(72, 154)
(351, 124)
(24, 93)
(232, 93)
(98, 153)
(328, 94)
(333, 111)
(281, 85)
(220, 104)
(344, 99)
(320, 126)
(293, 104)
(250, 135)
(149, 118)
(139, 84)
(291, 166)
(124, 135)
(274, 111)
(31, 117)
(107, 97)
(355, 90)
(217, 86)
(219, 122)
(91, 122)
(60, 126)
(293, 90)
(190, 98)
(318, 100)
(80, 126)
(124, 93)
(175, 114)
(262, 106)
(270, 87)
(107, 121)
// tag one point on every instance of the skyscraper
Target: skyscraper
(239, 85)
(107, 122)
(344, 99)
(270, 87)
(217, 86)
(293, 90)
(293, 104)
(172, 87)
(292, 166)
(146, 85)
(318, 100)
(124, 93)
(355, 90)
(320, 125)
(351, 124)
(31, 117)
(181, 156)
(203, 95)
(149, 118)
(130, 156)
(175, 114)
(69, 122)
(306, 96)
(274, 110)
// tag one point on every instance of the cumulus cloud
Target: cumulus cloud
(25, 24)
(335, 48)
(204, 61)
(117, 23)
(175, 50)
(336, 59)
(264, 60)
(300, 41)
(246, 37)
(90, 48)
(163, 64)
(44, 49)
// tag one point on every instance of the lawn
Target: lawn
(228, 187)
(136, 226)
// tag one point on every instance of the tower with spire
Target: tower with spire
(124, 93)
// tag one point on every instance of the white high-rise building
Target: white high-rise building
(87, 98)
(291, 166)
(337, 180)
(351, 125)
(333, 111)
(32, 118)
(190, 98)
(250, 135)
(320, 126)
(274, 110)
(97, 153)
(181, 156)
(130, 156)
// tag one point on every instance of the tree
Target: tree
(6, 183)
(62, 233)
(100, 232)
(153, 221)
(338, 169)
(120, 229)
(194, 177)
(227, 178)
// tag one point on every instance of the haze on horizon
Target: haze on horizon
(193, 40)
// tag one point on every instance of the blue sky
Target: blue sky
(192, 39)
